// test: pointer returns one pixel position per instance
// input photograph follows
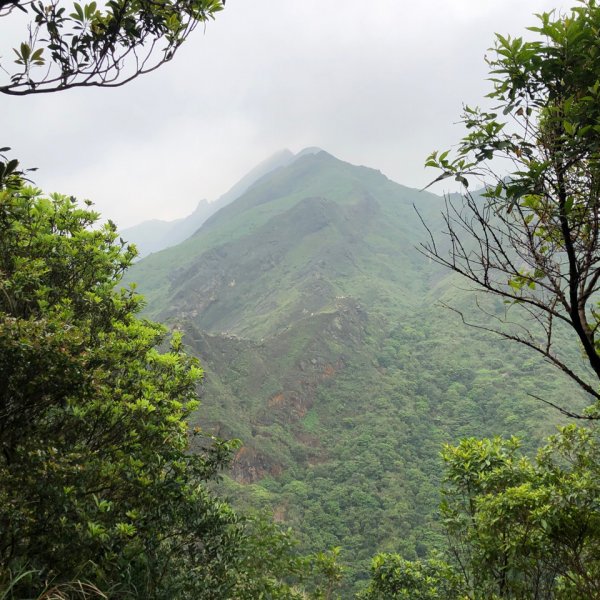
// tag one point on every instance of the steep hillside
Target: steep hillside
(314, 230)
(326, 352)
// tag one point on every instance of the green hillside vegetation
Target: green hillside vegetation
(360, 400)
(328, 355)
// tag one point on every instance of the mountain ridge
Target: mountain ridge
(274, 205)
(315, 319)
(155, 235)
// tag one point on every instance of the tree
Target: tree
(394, 578)
(92, 417)
(533, 236)
(106, 45)
(525, 529)
(98, 489)
(520, 528)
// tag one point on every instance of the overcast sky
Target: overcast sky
(377, 83)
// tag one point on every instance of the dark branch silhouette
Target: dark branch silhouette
(91, 45)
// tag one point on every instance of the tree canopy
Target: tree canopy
(534, 237)
(106, 44)
(522, 528)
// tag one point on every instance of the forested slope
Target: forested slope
(327, 352)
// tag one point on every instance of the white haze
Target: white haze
(378, 83)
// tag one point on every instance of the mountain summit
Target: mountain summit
(300, 237)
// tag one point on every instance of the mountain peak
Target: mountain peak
(201, 206)
(309, 150)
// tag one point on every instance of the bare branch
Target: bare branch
(530, 343)
(565, 412)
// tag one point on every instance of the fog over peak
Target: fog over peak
(381, 85)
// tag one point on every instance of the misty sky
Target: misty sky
(377, 83)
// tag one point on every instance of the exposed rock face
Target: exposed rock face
(227, 357)
(249, 466)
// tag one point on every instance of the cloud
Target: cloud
(379, 84)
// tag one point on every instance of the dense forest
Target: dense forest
(359, 389)
(342, 408)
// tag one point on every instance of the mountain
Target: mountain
(328, 354)
(155, 235)
(294, 241)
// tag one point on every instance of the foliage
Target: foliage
(534, 240)
(394, 578)
(106, 44)
(11, 176)
(96, 481)
(523, 529)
